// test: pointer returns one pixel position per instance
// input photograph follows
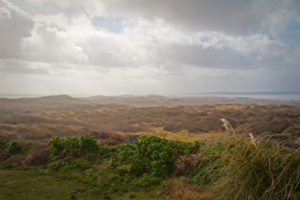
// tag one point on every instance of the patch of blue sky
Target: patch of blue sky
(110, 24)
(292, 35)
(267, 32)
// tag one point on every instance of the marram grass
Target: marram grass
(258, 172)
(246, 168)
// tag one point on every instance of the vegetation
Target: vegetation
(36, 184)
(12, 148)
(115, 124)
(73, 146)
(231, 168)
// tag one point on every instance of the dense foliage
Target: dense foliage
(8, 149)
(152, 155)
(73, 146)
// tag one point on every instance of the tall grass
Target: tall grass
(258, 172)
(240, 168)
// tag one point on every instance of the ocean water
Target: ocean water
(257, 95)
(16, 96)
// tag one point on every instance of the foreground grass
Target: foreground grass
(37, 184)
(227, 167)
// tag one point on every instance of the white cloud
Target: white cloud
(49, 43)
(163, 46)
(15, 25)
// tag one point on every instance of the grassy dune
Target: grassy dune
(113, 124)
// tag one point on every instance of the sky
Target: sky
(110, 47)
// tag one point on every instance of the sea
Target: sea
(254, 95)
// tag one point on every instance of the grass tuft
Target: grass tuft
(227, 125)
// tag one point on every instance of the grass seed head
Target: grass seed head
(227, 125)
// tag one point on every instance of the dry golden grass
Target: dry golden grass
(178, 190)
(186, 123)
(171, 189)
(184, 135)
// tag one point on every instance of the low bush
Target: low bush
(14, 148)
(151, 155)
(73, 146)
(3, 144)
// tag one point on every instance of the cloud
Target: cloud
(161, 46)
(15, 25)
(231, 16)
(14, 66)
(49, 42)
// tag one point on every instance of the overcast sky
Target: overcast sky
(148, 46)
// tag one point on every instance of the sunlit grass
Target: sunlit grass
(184, 135)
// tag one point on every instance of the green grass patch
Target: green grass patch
(39, 185)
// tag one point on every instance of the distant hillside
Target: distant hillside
(62, 102)
(153, 100)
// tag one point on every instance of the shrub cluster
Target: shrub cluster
(73, 146)
(8, 149)
(151, 155)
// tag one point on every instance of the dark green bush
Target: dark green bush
(80, 164)
(149, 154)
(73, 146)
(13, 148)
(3, 144)
(88, 144)
(57, 144)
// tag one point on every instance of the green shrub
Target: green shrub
(73, 146)
(57, 144)
(14, 148)
(3, 144)
(149, 154)
(88, 144)
(80, 164)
